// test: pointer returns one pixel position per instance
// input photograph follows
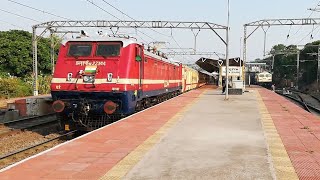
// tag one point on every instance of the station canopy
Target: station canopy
(213, 65)
(198, 68)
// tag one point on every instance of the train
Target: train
(264, 79)
(100, 80)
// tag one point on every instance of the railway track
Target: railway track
(42, 124)
(306, 101)
(31, 122)
(21, 154)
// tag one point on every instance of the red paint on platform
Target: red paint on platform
(92, 156)
(299, 132)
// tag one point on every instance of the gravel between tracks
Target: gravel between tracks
(22, 140)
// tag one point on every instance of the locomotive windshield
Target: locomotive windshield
(106, 50)
(80, 50)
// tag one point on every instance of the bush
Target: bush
(44, 84)
(14, 87)
(11, 87)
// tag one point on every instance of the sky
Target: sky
(214, 11)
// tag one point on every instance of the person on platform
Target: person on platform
(223, 85)
(273, 87)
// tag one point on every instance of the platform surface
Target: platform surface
(216, 139)
(5, 102)
(198, 135)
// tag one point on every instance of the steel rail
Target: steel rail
(15, 123)
(306, 106)
(37, 145)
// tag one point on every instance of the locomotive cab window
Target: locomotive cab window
(76, 50)
(107, 50)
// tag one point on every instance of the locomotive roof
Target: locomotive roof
(125, 41)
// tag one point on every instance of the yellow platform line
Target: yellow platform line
(280, 159)
(127, 163)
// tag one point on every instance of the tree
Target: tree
(309, 67)
(285, 59)
(16, 53)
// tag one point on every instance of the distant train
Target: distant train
(99, 80)
(264, 79)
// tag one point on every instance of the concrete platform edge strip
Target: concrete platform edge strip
(281, 162)
(126, 164)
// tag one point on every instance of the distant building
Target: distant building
(255, 67)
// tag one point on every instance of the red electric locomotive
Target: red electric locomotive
(98, 80)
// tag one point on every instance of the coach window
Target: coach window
(76, 50)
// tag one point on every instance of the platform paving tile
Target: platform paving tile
(215, 139)
(299, 132)
(91, 156)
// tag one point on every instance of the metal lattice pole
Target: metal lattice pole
(298, 64)
(52, 56)
(227, 53)
(244, 53)
(318, 72)
(35, 61)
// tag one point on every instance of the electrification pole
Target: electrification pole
(35, 62)
(227, 53)
(298, 63)
(318, 73)
(52, 56)
(240, 64)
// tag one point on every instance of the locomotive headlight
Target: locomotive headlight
(109, 79)
(88, 79)
(69, 77)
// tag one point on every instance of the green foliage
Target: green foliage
(309, 67)
(14, 87)
(16, 63)
(16, 53)
(19, 87)
(285, 64)
(44, 84)
(285, 60)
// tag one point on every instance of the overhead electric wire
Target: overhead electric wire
(117, 18)
(19, 15)
(125, 14)
(42, 11)
(39, 10)
(130, 16)
(14, 25)
(180, 46)
(310, 33)
(302, 25)
(103, 9)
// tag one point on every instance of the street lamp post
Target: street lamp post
(227, 53)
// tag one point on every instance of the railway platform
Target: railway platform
(15, 108)
(198, 135)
